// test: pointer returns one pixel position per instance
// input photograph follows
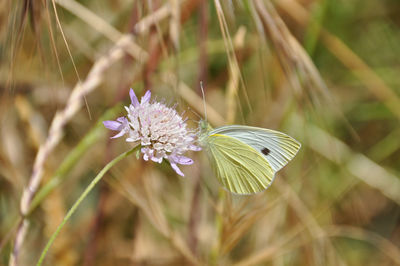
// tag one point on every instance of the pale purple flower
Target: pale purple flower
(161, 131)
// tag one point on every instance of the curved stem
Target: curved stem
(80, 199)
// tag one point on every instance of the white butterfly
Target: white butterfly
(245, 159)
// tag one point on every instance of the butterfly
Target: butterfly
(245, 159)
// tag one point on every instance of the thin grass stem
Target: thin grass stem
(73, 158)
(80, 199)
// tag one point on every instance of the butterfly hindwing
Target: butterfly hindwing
(238, 166)
(277, 147)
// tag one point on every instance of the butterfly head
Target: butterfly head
(204, 129)
(204, 126)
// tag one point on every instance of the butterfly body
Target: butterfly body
(245, 159)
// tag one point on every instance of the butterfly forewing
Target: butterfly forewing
(239, 167)
(277, 147)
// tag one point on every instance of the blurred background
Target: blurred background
(325, 72)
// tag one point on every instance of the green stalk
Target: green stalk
(73, 157)
(81, 198)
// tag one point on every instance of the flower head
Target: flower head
(162, 132)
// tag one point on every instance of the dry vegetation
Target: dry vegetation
(326, 72)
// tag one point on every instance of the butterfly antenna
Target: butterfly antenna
(204, 100)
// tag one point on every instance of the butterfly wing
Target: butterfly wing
(239, 167)
(276, 147)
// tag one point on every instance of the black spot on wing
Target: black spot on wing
(265, 151)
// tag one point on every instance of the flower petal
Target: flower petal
(146, 97)
(122, 120)
(147, 153)
(113, 125)
(181, 159)
(120, 134)
(157, 159)
(134, 99)
(177, 170)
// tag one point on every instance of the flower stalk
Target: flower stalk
(81, 198)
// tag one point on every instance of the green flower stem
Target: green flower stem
(81, 198)
(69, 163)
(73, 157)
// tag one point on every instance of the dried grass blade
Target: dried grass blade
(356, 163)
(298, 66)
(154, 214)
(352, 61)
(230, 51)
(102, 26)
